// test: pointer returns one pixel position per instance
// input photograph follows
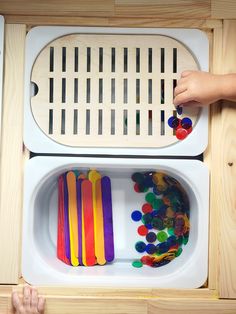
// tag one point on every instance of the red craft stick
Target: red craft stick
(87, 201)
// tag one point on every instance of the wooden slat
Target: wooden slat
(163, 8)
(58, 7)
(77, 305)
(19, 11)
(168, 306)
(104, 303)
(225, 168)
(109, 301)
(11, 154)
(4, 305)
(222, 253)
(209, 159)
(162, 306)
(223, 9)
(168, 9)
(146, 293)
(112, 21)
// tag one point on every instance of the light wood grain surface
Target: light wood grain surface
(226, 159)
(223, 9)
(11, 192)
(167, 8)
(104, 305)
(32, 20)
(168, 306)
(170, 9)
(58, 7)
(109, 301)
(128, 293)
(209, 159)
(156, 8)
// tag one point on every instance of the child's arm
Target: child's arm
(196, 88)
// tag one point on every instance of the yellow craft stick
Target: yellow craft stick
(99, 236)
(73, 218)
(94, 176)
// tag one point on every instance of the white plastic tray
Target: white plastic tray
(39, 263)
(36, 141)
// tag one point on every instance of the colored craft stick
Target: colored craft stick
(60, 248)
(94, 176)
(87, 202)
(83, 236)
(60, 230)
(66, 219)
(79, 210)
(73, 219)
(107, 217)
(85, 231)
(99, 235)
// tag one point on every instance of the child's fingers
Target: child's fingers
(41, 305)
(180, 88)
(186, 73)
(192, 104)
(16, 300)
(34, 299)
(182, 98)
(26, 297)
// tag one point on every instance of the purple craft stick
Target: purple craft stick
(79, 209)
(66, 216)
(107, 218)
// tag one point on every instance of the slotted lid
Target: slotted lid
(109, 90)
(94, 90)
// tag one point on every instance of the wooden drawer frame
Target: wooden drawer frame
(220, 157)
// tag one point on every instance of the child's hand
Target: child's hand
(30, 303)
(196, 88)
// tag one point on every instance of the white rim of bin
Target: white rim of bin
(1, 67)
(36, 141)
(192, 274)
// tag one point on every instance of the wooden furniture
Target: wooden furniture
(218, 19)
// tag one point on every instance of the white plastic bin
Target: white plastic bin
(40, 265)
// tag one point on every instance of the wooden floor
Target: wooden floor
(218, 19)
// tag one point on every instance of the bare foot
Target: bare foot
(30, 303)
